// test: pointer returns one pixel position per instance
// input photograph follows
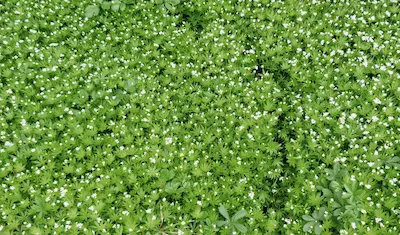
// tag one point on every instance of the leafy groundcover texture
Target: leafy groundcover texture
(199, 117)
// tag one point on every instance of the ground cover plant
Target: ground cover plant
(199, 117)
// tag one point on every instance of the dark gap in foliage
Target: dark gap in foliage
(196, 21)
(281, 78)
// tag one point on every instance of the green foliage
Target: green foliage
(143, 117)
(168, 4)
(233, 222)
(113, 5)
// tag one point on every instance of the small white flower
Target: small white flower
(91, 208)
(37, 172)
(374, 118)
(152, 160)
(250, 136)
(8, 144)
(1, 227)
(154, 217)
(148, 211)
(9, 91)
(199, 203)
(125, 213)
(66, 204)
(251, 195)
(352, 116)
(368, 186)
(168, 140)
(377, 101)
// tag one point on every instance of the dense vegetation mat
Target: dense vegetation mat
(169, 117)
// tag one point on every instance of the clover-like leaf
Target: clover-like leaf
(92, 10)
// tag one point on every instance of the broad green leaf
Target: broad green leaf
(172, 187)
(106, 5)
(317, 229)
(222, 223)
(308, 218)
(169, 6)
(238, 215)
(92, 10)
(166, 174)
(115, 7)
(223, 212)
(122, 7)
(240, 227)
(159, 1)
(327, 192)
(174, 2)
(393, 160)
(321, 213)
(307, 226)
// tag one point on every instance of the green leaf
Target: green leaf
(169, 6)
(122, 7)
(307, 226)
(174, 2)
(223, 212)
(115, 7)
(172, 187)
(393, 160)
(321, 213)
(106, 5)
(166, 174)
(222, 223)
(240, 227)
(317, 229)
(159, 1)
(238, 215)
(308, 218)
(92, 10)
